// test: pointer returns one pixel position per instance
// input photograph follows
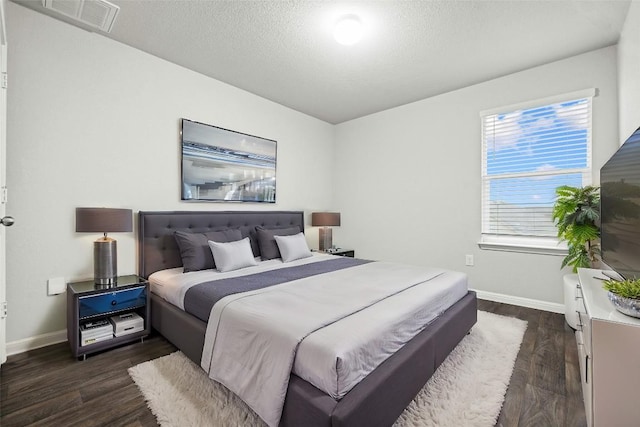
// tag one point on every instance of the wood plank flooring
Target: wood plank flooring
(545, 385)
(48, 387)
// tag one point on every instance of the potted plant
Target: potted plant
(625, 295)
(576, 213)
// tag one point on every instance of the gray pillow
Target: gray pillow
(194, 247)
(267, 243)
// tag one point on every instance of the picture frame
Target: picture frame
(222, 165)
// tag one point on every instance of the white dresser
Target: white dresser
(609, 352)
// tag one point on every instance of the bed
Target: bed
(376, 400)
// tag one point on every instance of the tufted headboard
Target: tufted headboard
(157, 247)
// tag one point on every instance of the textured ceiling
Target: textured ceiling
(284, 50)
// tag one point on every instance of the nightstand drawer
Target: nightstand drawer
(93, 305)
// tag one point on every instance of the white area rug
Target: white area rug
(467, 389)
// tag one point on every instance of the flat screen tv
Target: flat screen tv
(620, 209)
(224, 165)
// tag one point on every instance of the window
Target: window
(527, 152)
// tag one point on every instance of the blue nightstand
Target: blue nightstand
(90, 306)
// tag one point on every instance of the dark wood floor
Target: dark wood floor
(545, 385)
(48, 387)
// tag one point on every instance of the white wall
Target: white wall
(407, 180)
(629, 72)
(92, 122)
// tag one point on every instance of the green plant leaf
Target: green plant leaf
(582, 233)
(576, 213)
(629, 288)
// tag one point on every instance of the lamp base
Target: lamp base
(105, 257)
(325, 239)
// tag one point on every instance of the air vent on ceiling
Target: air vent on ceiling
(95, 13)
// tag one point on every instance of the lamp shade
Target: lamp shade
(325, 219)
(103, 220)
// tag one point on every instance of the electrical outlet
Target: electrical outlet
(56, 286)
(468, 260)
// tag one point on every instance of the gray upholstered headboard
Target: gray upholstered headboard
(157, 247)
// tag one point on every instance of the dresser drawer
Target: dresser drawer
(125, 299)
(580, 307)
(580, 324)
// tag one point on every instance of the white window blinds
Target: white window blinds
(526, 154)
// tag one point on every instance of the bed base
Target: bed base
(377, 400)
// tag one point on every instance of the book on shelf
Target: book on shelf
(94, 324)
(127, 323)
(94, 339)
(95, 331)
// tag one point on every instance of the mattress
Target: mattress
(338, 356)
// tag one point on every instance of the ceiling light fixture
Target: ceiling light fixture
(348, 30)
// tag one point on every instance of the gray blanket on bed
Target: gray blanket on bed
(199, 299)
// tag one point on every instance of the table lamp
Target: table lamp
(105, 256)
(325, 220)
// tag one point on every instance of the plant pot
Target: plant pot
(570, 307)
(628, 306)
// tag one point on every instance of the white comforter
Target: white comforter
(252, 338)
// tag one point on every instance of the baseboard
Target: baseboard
(31, 343)
(26, 344)
(522, 302)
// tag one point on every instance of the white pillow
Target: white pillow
(293, 247)
(233, 255)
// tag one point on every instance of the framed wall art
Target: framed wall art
(223, 165)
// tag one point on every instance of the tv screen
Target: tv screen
(620, 209)
(224, 165)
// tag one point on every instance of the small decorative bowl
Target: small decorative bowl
(628, 306)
